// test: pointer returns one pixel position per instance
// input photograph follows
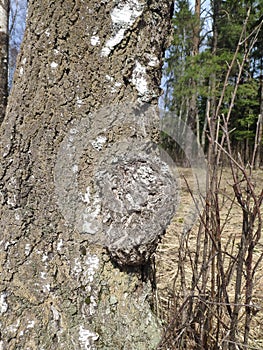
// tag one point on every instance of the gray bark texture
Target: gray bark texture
(82, 205)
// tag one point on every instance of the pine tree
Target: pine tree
(195, 79)
(181, 83)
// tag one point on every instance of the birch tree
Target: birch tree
(77, 229)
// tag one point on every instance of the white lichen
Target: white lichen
(60, 245)
(3, 303)
(87, 338)
(92, 210)
(99, 142)
(13, 181)
(27, 249)
(31, 324)
(90, 268)
(77, 268)
(92, 264)
(94, 40)
(86, 269)
(3, 19)
(75, 168)
(123, 16)
(47, 32)
(73, 131)
(56, 314)
(12, 201)
(43, 275)
(116, 87)
(14, 327)
(126, 12)
(5, 153)
(139, 79)
(89, 220)
(85, 272)
(46, 288)
(7, 244)
(113, 42)
(44, 257)
(79, 101)
(86, 197)
(53, 65)
(153, 60)
(108, 77)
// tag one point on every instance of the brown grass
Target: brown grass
(174, 284)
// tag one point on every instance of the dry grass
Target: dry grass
(175, 284)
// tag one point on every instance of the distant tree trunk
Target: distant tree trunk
(17, 22)
(4, 11)
(259, 131)
(258, 139)
(196, 29)
(211, 117)
(193, 107)
(60, 288)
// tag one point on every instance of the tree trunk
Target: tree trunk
(17, 22)
(193, 107)
(4, 11)
(196, 29)
(77, 233)
(259, 131)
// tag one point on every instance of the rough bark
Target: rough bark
(259, 132)
(196, 29)
(193, 118)
(4, 10)
(68, 283)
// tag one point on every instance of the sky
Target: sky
(17, 22)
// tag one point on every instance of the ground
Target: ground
(174, 284)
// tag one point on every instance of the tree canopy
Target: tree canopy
(202, 74)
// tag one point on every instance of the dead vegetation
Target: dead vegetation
(209, 275)
(212, 274)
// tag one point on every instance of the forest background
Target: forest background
(206, 38)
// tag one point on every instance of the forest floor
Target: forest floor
(174, 282)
